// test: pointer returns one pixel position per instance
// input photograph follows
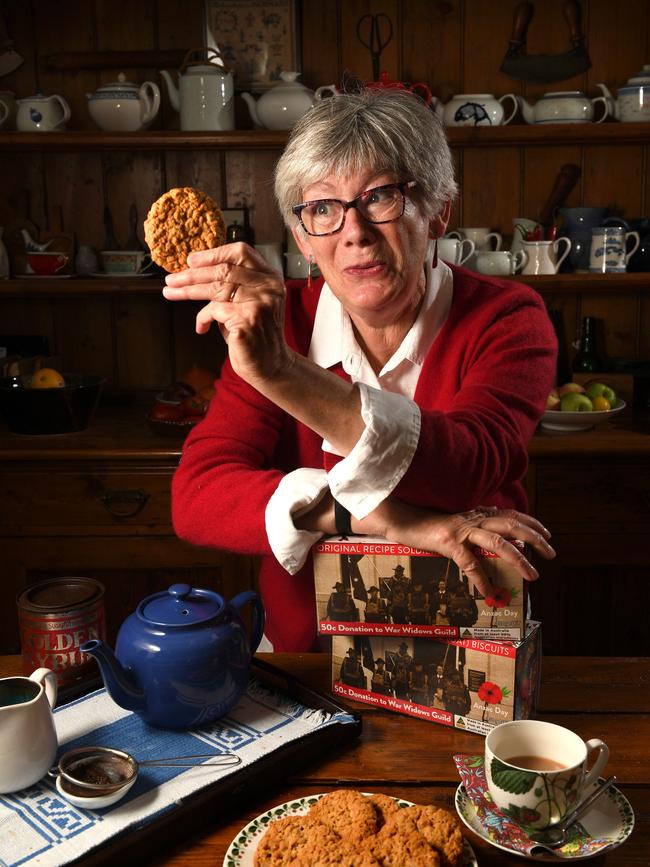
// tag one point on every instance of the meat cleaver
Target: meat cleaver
(543, 68)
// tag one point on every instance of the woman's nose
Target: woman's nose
(355, 226)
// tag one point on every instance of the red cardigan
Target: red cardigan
(482, 391)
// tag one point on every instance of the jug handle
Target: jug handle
(515, 106)
(150, 92)
(606, 107)
(47, 679)
(257, 630)
(66, 109)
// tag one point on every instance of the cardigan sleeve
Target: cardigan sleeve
(482, 392)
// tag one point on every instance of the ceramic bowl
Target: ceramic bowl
(40, 411)
(569, 422)
(93, 802)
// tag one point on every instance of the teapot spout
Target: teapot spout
(119, 682)
(252, 107)
(172, 90)
(526, 109)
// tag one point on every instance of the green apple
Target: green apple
(575, 402)
(599, 389)
(570, 388)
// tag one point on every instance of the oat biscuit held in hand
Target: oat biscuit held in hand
(181, 221)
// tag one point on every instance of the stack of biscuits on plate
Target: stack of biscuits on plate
(349, 829)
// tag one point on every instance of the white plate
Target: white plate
(241, 852)
(611, 818)
(555, 419)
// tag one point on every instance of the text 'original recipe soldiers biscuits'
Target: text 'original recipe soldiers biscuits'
(349, 829)
(180, 222)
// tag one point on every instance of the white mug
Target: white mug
(480, 236)
(272, 253)
(542, 256)
(28, 742)
(500, 263)
(537, 772)
(609, 253)
(455, 251)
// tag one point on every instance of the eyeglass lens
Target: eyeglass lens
(379, 205)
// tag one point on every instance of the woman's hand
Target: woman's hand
(245, 298)
(456, 536)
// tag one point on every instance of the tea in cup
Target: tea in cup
(46, 264)
(28, 741)
(537, 771)
(500, 263)
(455, 251)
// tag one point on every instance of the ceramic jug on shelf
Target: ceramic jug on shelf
(633, 101)
(543, 256)
(577, 224)
(40, 113)
(205, 96)
(283, 104)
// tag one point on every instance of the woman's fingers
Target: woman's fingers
(511, 528)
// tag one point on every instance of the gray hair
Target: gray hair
(386, 130)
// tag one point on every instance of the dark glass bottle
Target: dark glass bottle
(563, 366)
(587, 359)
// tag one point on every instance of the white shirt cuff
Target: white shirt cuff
(381, 456)
(297, 493)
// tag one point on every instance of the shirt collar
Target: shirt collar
(333, 340)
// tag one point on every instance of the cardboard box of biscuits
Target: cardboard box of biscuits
(471, 684)
(368, 586)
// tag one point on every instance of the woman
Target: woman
(398, 391)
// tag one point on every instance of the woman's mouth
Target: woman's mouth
(365, 269)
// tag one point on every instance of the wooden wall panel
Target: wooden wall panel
(249, 182)
(489, 193)
(200, 169)
(618, 41)
(84, 337)
(485, 40)
(22, 316)
(321, 56)
(619, 317)
(613, 178)
(355, 57)
(432, 45)
(142, 337)
(73, 186)
(130, 178)
(540, 168)
(189, 348)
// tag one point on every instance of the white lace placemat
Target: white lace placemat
(39, 827)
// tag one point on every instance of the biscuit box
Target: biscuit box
(368, 586)
(470, 684)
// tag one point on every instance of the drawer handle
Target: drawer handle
(124, 504)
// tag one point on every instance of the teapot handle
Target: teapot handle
(257, 630)
(211, 55)
(152, 102)
(65, 108)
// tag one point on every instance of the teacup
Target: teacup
(455, 251)
(537, 771)
(609, 251)
(481, 237)
(125, 262)
(46, 264)
(500, 263)
(28, 741)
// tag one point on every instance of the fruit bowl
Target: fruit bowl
(568, 422)
(40, 411)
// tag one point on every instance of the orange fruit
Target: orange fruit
(198, 377)
(207, 392)
(600, 402)
(47, 377)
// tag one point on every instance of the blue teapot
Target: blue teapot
(182, 658)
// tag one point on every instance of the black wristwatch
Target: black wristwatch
(342, 520)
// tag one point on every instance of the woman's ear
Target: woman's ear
(438, 224)
(302, 240)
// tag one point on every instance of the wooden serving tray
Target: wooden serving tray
(204, 807)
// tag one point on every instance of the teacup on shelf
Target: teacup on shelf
(125, 263)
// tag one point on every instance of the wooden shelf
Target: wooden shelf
(547, 284)
(524, 135)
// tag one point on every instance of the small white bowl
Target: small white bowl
(569, 422)
(94, 802)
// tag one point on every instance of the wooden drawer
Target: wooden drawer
(93, 497)
(599, 496)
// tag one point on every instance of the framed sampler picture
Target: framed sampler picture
(257, 40)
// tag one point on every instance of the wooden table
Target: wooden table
(595, 697)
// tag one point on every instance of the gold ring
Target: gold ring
(233, 293)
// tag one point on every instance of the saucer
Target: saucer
(117, 275)
(44, 276)
(611, 820)
(241, 852)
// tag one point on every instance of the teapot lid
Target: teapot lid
(642, 77)
(120, 84)
(180, 605)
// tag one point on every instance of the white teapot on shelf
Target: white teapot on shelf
(283, 104)
(474, 109)
(633, 102)
(40, 113)
(121, 106)
(205, 96)
(565, 106)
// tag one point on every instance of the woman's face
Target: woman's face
(374, 269)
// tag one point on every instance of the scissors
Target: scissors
(375, 32)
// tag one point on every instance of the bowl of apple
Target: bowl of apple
(574, 407)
